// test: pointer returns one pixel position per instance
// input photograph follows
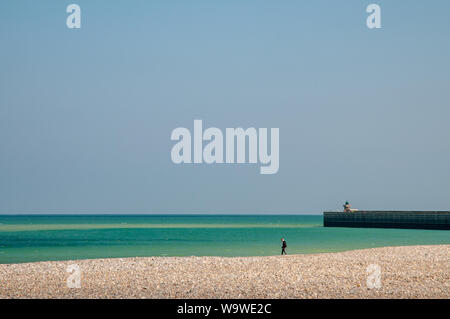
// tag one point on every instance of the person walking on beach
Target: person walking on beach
(283, 246)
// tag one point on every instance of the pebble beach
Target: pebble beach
(404, 272)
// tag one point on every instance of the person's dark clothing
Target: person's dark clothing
(283, 248)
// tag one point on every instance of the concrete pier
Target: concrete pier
(389, 219)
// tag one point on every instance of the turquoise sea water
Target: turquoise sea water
(49, 237)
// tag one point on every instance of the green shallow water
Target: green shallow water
(50, 237)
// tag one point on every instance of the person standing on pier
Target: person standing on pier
(348, 208)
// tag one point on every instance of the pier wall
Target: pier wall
(389, 219)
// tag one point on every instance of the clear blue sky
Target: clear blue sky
(86, 115)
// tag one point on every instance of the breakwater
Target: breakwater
(389, 219)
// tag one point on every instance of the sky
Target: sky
(86, 114)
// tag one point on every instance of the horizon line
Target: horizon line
(143, 214)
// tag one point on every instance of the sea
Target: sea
(30, 238)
